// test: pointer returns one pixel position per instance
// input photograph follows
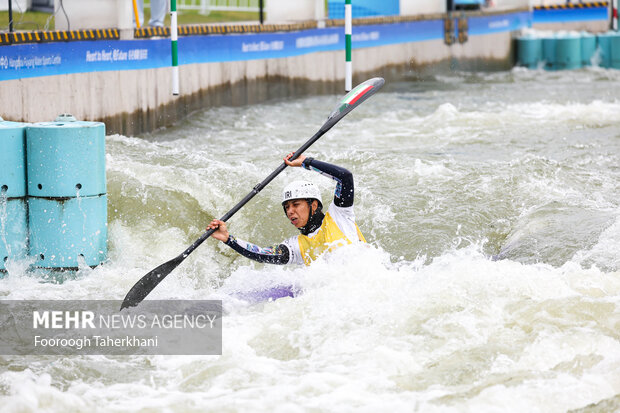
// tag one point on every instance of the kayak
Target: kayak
(269, 294)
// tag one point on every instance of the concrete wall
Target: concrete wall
(135, 101)
(550, 2)
(279, 11)
(510, 4)
(413, 7)
(94, 14)
(595, 26)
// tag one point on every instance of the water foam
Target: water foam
(421, 318)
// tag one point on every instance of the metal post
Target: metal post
(175, 47)
(136, 14)
(10, 15)
(260, 11)
(614, 15)
(348, 30)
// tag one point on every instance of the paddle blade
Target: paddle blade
(354, 98)
(147, 283)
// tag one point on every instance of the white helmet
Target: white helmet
(301, 190)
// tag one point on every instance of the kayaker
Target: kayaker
(302, 205)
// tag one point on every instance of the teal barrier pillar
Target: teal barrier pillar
(549, 55)
(588, 48)
(615, 50)
(568, 52)
(603, 41)
(67, 193)
(529, 51)
(13, 212)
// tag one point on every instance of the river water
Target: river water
(491, 204)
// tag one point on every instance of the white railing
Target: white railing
(205, 6)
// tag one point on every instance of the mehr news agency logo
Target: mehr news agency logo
(88, 327)
(64, 320)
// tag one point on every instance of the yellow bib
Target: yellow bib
(324, 239)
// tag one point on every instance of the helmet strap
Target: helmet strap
(315, 219)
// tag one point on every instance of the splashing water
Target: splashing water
(450, 171)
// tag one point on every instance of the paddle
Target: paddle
(352, 100)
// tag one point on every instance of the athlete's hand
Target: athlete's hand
(297, 162)
(221, 233)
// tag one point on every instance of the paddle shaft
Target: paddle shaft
(147, 283)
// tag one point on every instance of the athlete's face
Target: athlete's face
(297, 211)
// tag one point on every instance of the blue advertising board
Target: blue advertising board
(48, 59)
(363, 8)
(563, 15)
(497, 24)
